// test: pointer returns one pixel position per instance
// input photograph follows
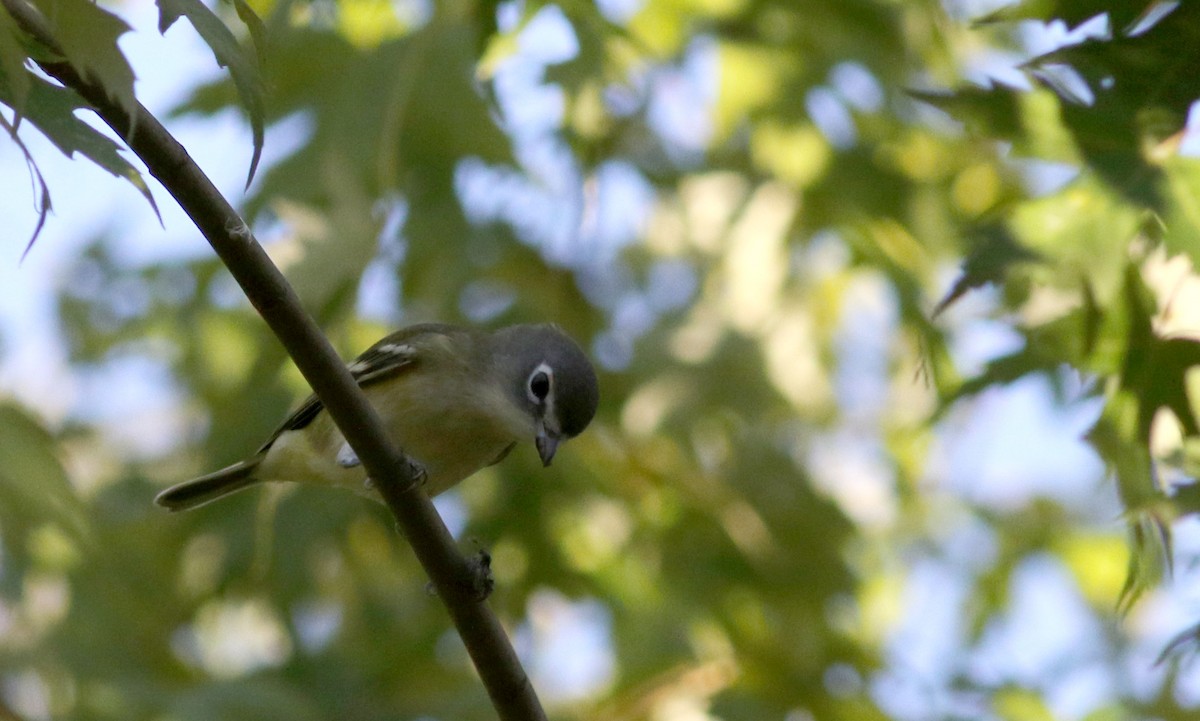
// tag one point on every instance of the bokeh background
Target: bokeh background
(891, 302)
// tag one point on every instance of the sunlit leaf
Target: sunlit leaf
(1016, 704)
(1182, 218)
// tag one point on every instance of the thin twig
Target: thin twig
(454, 578)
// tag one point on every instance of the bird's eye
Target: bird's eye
(539, 385)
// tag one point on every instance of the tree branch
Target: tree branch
(453, 576)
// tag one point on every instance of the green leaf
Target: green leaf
(1018, 704)
(1005, 370)
(243, 66)
(1182, 219)
(43, 205)
(486, 25)
(1116, 440)
(52, 109)
(1155, 368)
(995, 252)
(1186, 642)
(1073, 12)
(1165, 385)
(88, 36)
(1186, 498)
(1142, 87)
(993, 111)
(254, 24)
(592, 31)
(13, 74)
(33, 485)
(262, 699)
(1150, 560)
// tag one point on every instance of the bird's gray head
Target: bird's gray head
(551, 379)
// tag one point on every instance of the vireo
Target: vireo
(453, 399)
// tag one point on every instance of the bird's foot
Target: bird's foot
(480, 582)
(417, 472)
(483, 582)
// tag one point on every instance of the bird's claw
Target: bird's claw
(416, 471)
(480, 583)
(483, 582)
(347, 458)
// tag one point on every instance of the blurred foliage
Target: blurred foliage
(767, 218)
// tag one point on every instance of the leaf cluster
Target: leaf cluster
(767, 295)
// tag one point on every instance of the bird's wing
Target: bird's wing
(397, 352)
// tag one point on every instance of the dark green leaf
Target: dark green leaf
(42, 205)
(1073, 12)
(991, 111)
(13, 75)
(88, 36)
(254, 24)
(262, 699)
(1150, 560)
(1116, 440)
(51, 109)
(243, 66)
(1186, 641)
(593, 32)
(34, 488)
(1141, 85)
(1007, 369)
(995, 252)
(1155, 368)
(1186, 498)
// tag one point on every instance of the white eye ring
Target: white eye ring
(540, 385)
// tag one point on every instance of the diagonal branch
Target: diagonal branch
(452, 575)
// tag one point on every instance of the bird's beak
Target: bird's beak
(547, 444)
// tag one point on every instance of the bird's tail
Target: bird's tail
(198, 491)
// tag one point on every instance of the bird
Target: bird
(454, 399)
